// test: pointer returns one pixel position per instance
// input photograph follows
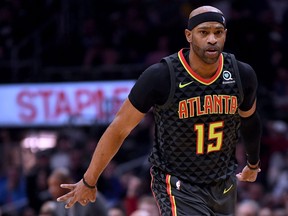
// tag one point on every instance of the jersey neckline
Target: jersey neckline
(196, 76)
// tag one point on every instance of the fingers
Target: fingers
(92, 198)
(84, 202)
(240, 177)
(65, 197)
(71, 202)
(68, 186)
(77, 194)
(248, 174)
(251, 179)
(68, 197)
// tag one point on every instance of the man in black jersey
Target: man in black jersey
(201, 98)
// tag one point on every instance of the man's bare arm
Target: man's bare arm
(125, 120)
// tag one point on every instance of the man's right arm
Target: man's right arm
(125, 120)
(151, 88)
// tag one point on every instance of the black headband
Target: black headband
(206, 17)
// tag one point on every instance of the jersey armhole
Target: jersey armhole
(237, 76)
(172, 82)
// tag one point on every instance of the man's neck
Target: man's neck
(203, 69)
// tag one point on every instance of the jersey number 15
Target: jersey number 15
(213, 134)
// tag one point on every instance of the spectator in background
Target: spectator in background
(280, 183)
(28, 211)
(92, 41)
(110, 56)
(161, 51)
(77, 164)
(48, 209)
(280, 91)
(140, 212)
(13, 198)
(37, 187)
(274, 141)
(11, 153)
(60, 155)
(133, 185)
(148, 204)
(7, 18)
(5, 145)
(117, 210)
(110, 185)
(279, 212)
(247, 208)
(265, 211)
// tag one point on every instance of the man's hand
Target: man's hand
(248, 174)
(78, 193)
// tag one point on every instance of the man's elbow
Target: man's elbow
(248, 113)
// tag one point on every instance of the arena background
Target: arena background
(66, 66)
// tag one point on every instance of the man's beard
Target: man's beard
(202, 53)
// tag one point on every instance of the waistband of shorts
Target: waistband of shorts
(158, 172)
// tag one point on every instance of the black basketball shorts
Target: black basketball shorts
(178, 198)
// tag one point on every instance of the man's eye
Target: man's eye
(203, 32)
(219, 32)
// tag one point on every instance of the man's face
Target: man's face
(207, 41)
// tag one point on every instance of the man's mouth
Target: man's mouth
(212, 52)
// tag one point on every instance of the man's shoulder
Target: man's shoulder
(171, 56)
(157, 67)
(242, 65)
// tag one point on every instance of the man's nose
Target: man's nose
(212, 39)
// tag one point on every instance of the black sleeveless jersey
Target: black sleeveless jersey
(196, 130)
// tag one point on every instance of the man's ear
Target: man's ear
(188, 35)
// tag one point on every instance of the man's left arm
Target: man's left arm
(251, 131)
(251, 128)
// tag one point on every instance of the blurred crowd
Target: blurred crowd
(88, 35)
